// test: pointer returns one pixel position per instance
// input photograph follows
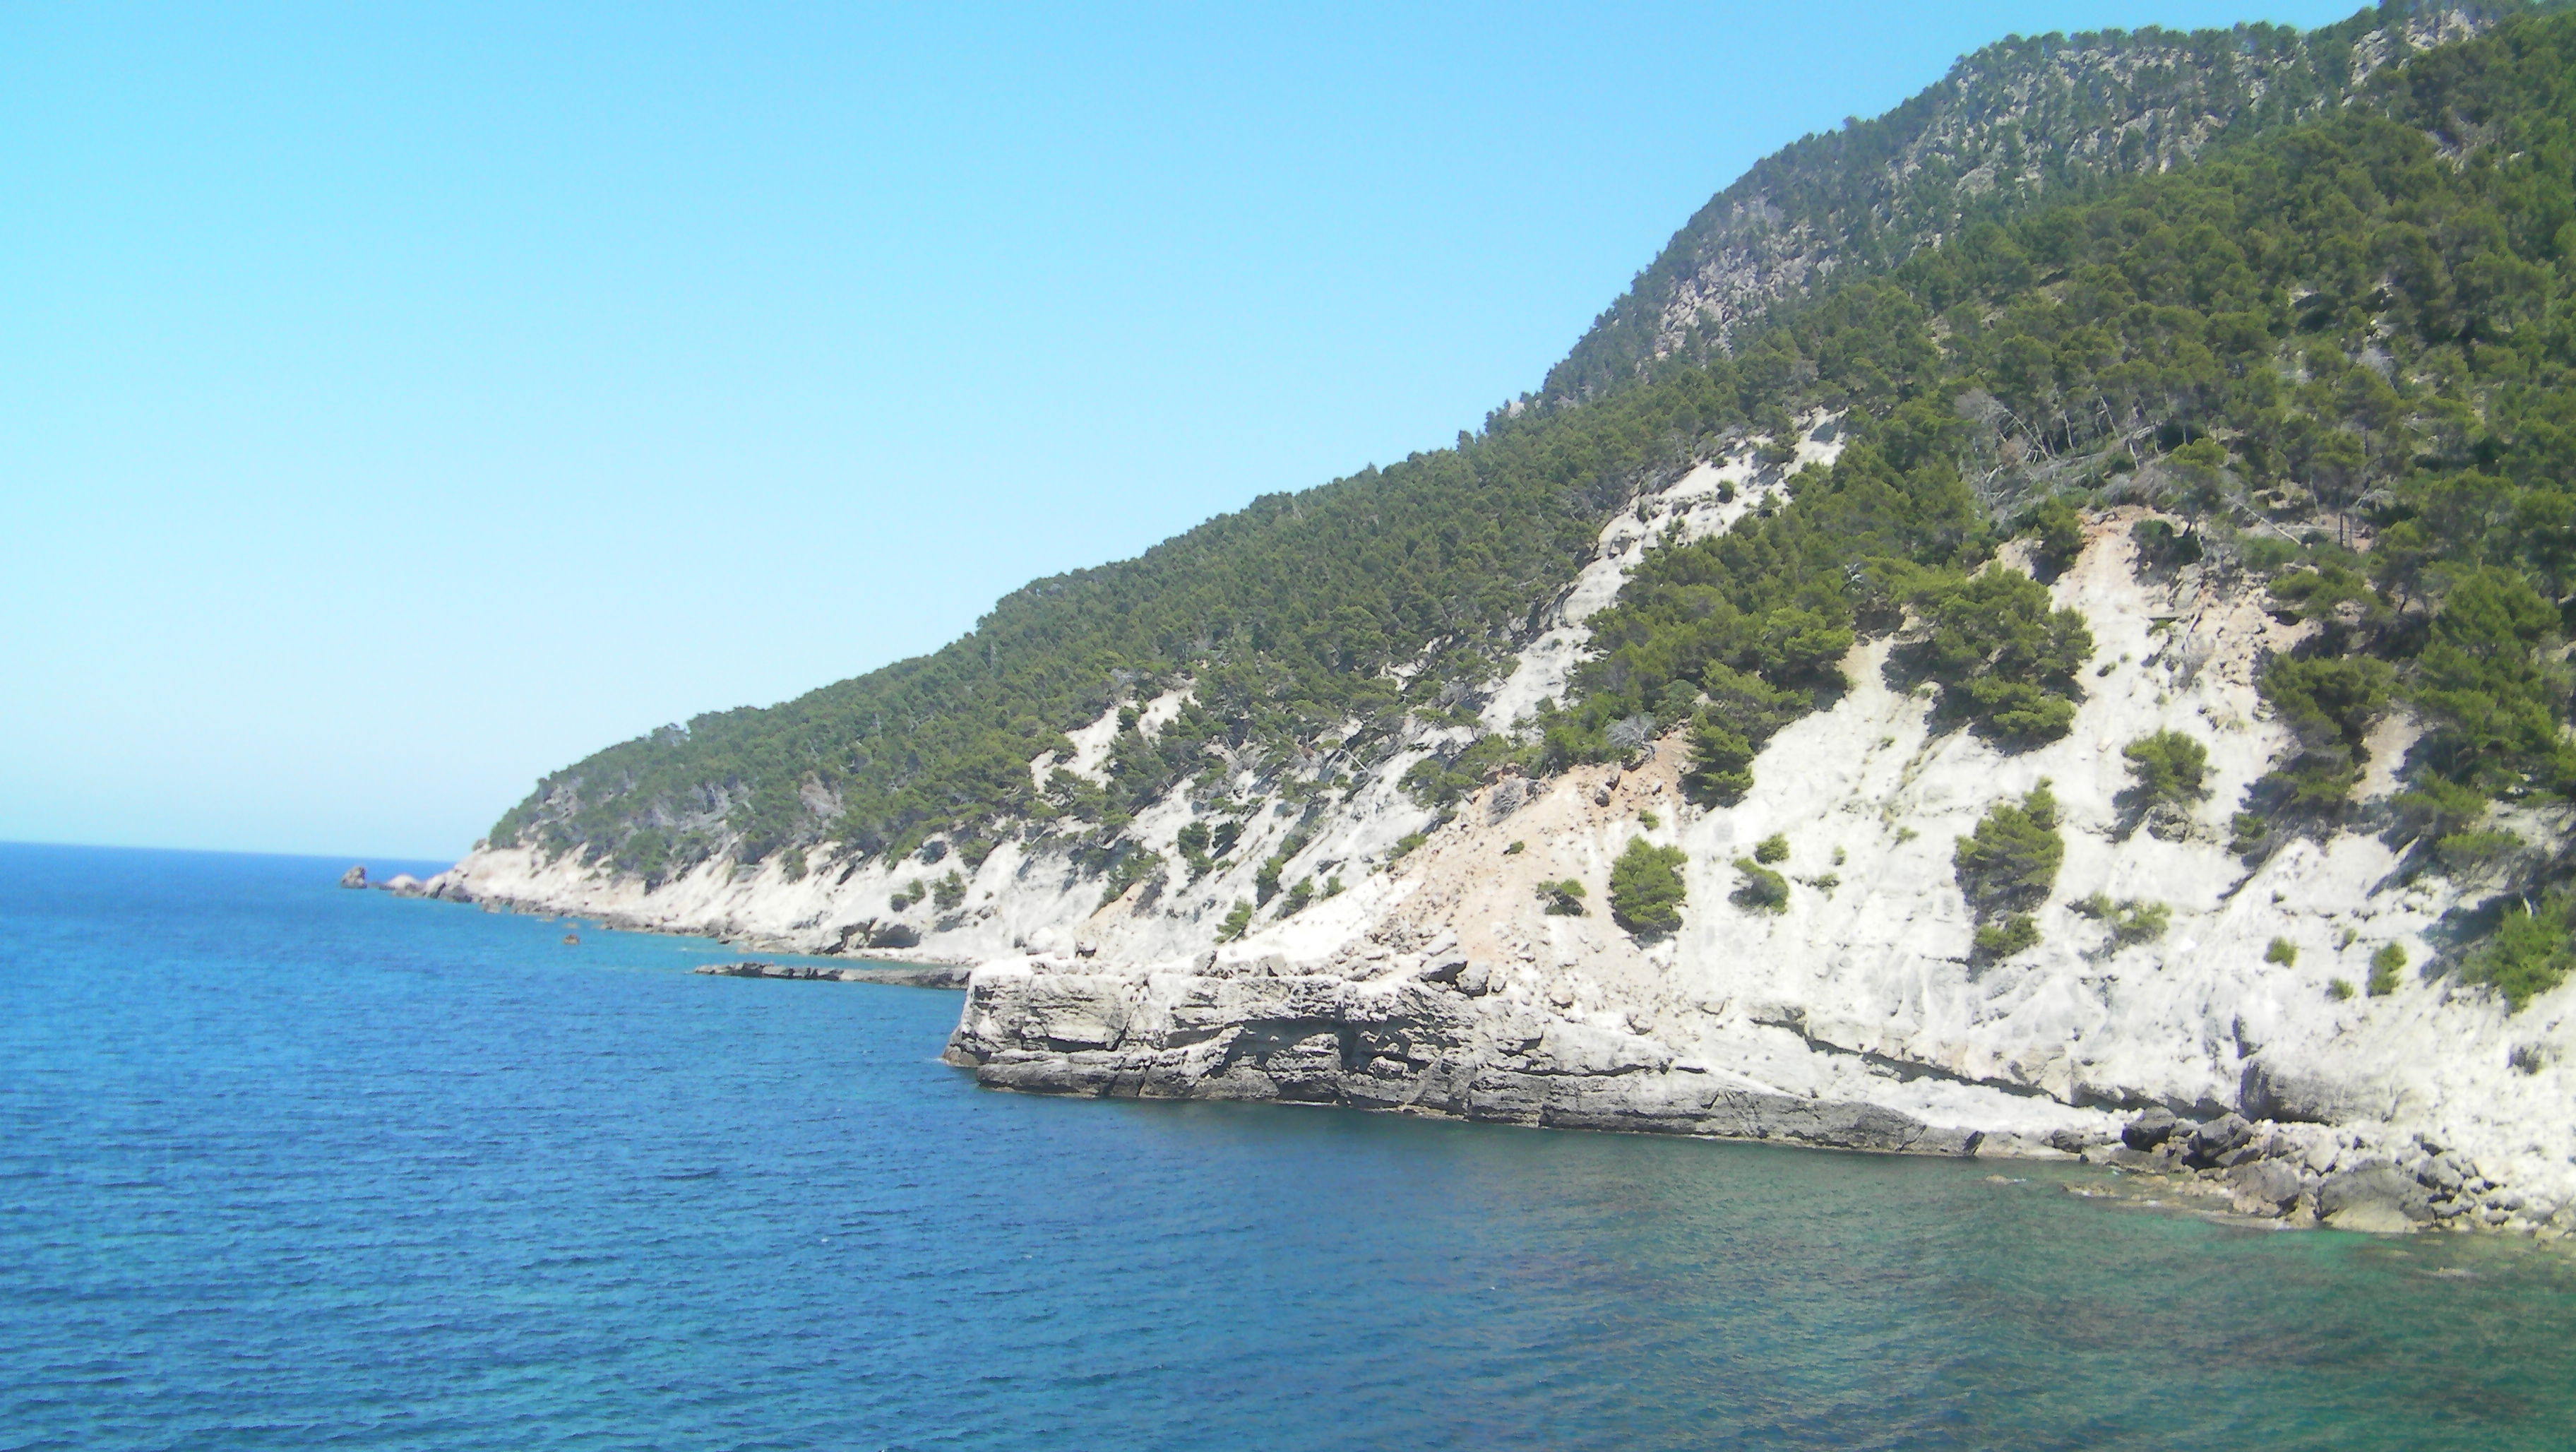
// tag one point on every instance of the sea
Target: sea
(284, 1165)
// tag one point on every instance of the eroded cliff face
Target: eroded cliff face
(1437, 980)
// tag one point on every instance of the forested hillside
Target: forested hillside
(2050, 118)
(2338, 354)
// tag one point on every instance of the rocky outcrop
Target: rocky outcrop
(1417, 1041)
(1438, 969)
(919, 975)
(356, 876)
(2309, 1174)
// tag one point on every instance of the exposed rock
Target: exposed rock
(2375, 1198)
(2309, 1094)
(356, 876)
(2212, 1140)
(2264, 1187)
(2149, 1129)
(1393, 1045)
(1860, 991)
(918, 975)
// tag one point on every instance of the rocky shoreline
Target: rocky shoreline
(920, 975)
(1424, 1037)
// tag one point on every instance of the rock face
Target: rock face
(917, 975)
(1413, 1043)
(1445, 975)
(356, 876)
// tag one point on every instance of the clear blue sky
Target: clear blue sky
(402, 403)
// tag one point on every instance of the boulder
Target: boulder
(2263, 1187)
(2375, 1198)
(2289, 1094)
(2150, 1129)
(2216, 1138)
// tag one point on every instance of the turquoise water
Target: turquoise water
(287, 1166)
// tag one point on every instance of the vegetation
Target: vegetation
(2529, 953)
(2009, 863)
(2281, 951)
(2167, 768)
(1563, 899)
(1238, 920)
(1760, 889)
(1646, 888)
(2337, 352)
(1774, 848)
(2006, 936)
(1866, 196)
(2005, 660)
(2385, 965)
(2131, 921)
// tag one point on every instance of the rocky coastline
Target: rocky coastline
(1422, 1035)
(924, 975)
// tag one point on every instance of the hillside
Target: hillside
(2112, 660)
(1345, 610)
(2025, 121)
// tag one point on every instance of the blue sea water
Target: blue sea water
(288, 1166)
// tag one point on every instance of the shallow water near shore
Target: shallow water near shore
(283, 1165)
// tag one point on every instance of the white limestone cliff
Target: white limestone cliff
(1436, 980)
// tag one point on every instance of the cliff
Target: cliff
(1857, 1017)
(2098, 686)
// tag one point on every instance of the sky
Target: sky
(397, 404)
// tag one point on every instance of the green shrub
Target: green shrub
(1437, 782)
(1648, 820)
(1193, 844)
(1298, 897)
(2468, 853)
(2281, 951)
(1265, 883)
(1762, 890)
(2247, 832)
(1646, 888)
(2329, 703)
(2000, 940)
(2528, 954)
(2005, 660)
(2385, 965)
(2131, 921)
(2437, 807)
(1721, 765)
(1774, 848)
(2010, 862)
(1516, 849)
(950, 891)
(2057, 536)
(1238, 919)
(2339, 989)
(1405, 844)
(1563, 899)
(2166, 767)
(1743, 713)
